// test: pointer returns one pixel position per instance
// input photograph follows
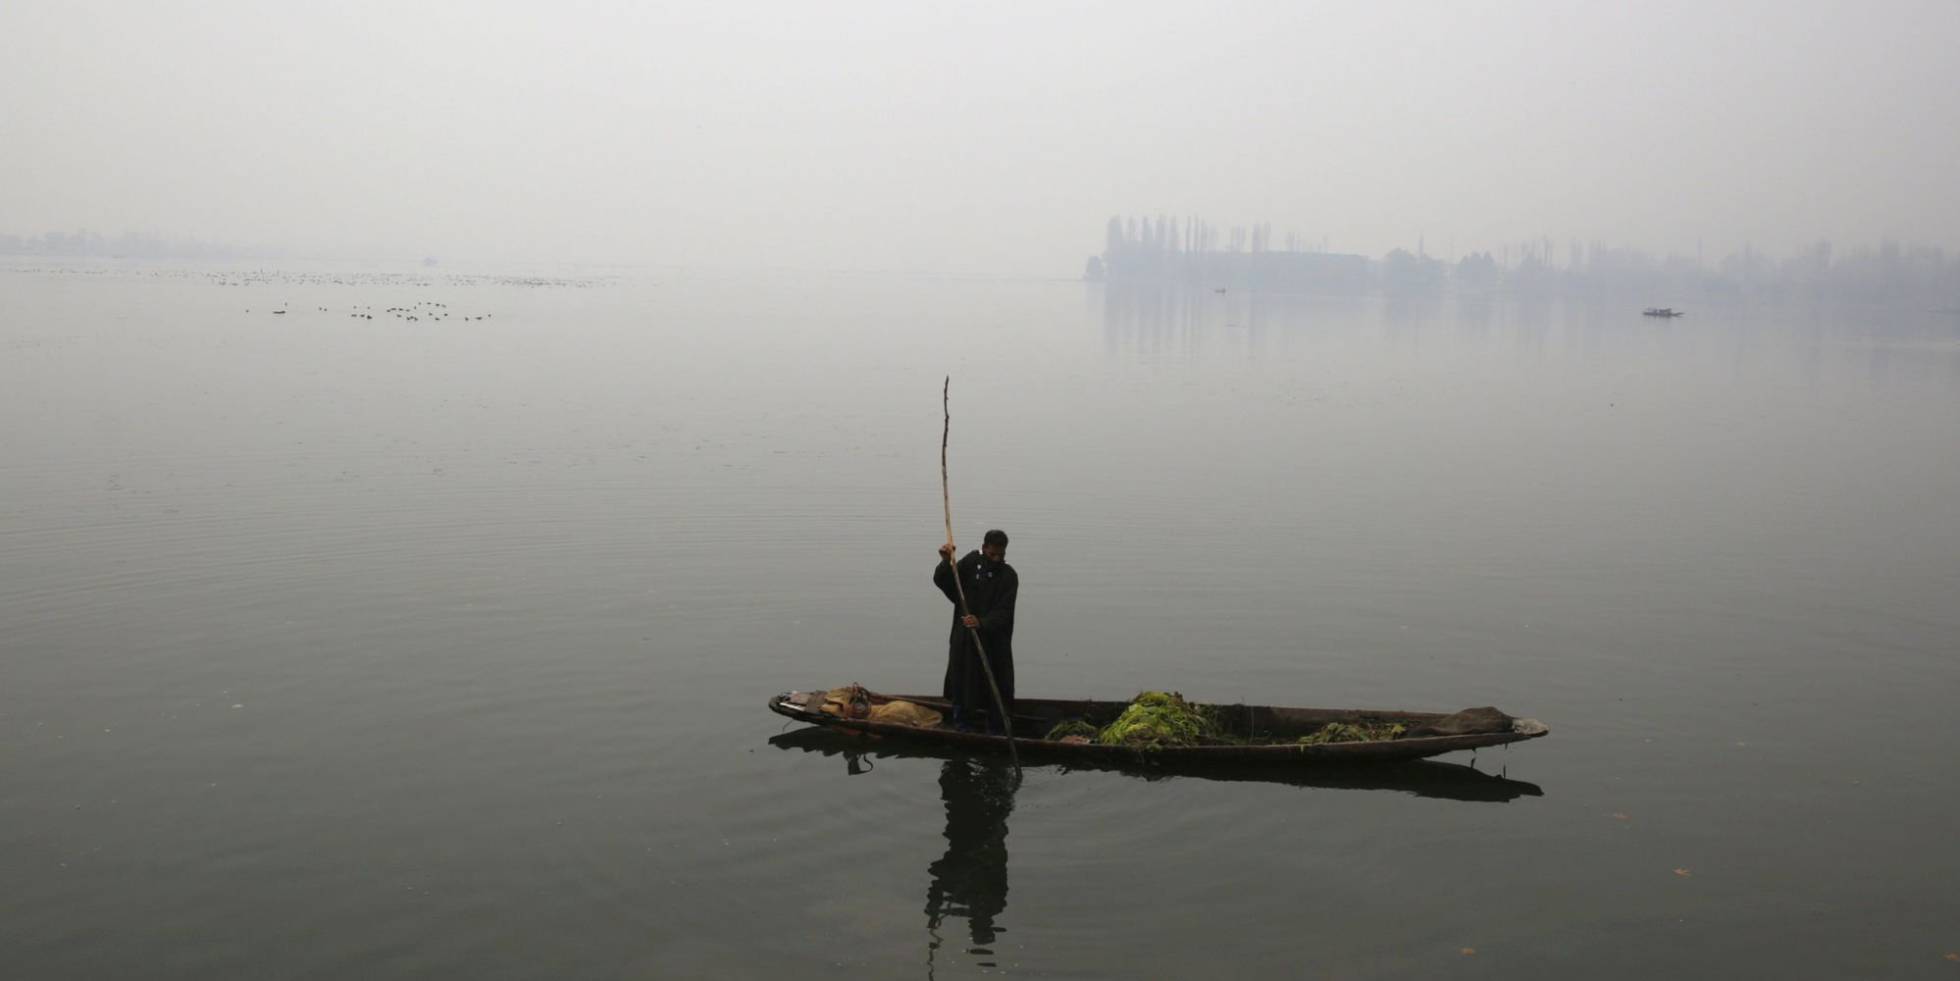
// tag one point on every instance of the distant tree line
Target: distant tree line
(1195, 252)
(132, 245)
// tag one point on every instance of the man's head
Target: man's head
(994, 546)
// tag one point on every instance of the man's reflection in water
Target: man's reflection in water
(970, 880)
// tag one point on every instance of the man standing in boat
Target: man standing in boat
(991, 587)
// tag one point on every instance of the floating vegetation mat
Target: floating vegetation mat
(1355, 732)
(1156, 719)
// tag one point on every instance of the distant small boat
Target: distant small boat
(1660, 312)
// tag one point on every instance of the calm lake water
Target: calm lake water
(337, 647)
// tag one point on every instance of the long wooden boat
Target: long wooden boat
(1249, 733)
(862, 752)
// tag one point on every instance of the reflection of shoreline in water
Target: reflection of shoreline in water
(1422, 778)
(970, 880)
(1158, 316)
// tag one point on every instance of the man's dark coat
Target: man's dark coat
(991, 588)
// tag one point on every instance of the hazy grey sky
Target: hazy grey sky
(977, 137)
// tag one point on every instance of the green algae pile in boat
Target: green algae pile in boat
(1159, 720)
(1354, 732)
(1156, 719)
(1073, 727)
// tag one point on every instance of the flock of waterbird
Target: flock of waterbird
(416, 312)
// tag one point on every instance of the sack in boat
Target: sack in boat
(1465, 723)
(906, 714)
(853, 702)
(848, 702)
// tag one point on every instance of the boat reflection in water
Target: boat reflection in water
(970, 880)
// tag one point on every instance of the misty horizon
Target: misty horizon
(892, 136)
(1199, 254)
